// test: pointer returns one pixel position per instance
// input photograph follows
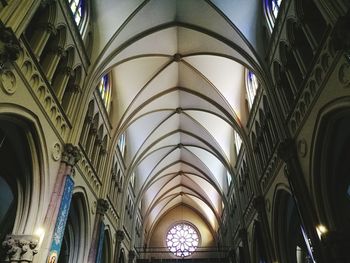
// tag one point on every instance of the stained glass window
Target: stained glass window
(121, 144)
(238, 142)
(182, 240)
(104, 88)
(273, 7)
(77, 8)
(252, 87)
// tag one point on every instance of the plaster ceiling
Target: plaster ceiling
(178, 71)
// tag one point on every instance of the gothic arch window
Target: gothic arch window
(18, 158)
(252, 86)
(104, 88)
(78, 8)
(121, 144)
(75, 234)
(272, 10)
(238, 142)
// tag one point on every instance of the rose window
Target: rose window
(182, 240)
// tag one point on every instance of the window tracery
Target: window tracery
(182, 239)
(251, 88)
(273, 7)
(104, 89)
(78, 9)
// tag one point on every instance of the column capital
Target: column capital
(120, 235)
(341, 34)
(71, 154)
(44, 3)
(259, 203)
(102, 206)
(132, 256)
(286, 150)
(242, 233)
(20, 248)
(9, 46)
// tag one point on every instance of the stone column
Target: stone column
(102, 207)
(341, 36)
(259, 205)
(120, 235)
(337, 244)
(9, 47)
(70, 157)
(288, 153)
(243, 234)
(40, 36)
(20, 248)
(51, 61)
(65, 73)
(132, 256)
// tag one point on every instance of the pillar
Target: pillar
(40, 37)
(102, 207)
(243, 234)
(132, 256)
(120, 235)
(56, 216)
(288, 153)
(259, 205)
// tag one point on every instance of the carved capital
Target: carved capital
(120, 235)
(259, 203)
(286, 150)
(242, 233)
(132, 256)
(47, 26)
(67, 71)
(9, 47)
(102, 206)
(75, 88)
(20, 248)
(60, 51)
(70, 155)
(45, 3)
(341, 34)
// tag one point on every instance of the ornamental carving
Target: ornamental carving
(9, 47)
(120, 235)
(102, 206)
(70, 155)
(20, 248)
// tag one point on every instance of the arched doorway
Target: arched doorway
(106, 249)
(75, 234)
(331, 180)
(16, 173)
(289, 233)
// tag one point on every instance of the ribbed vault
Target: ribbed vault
(178, 75)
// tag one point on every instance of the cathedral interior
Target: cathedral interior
(175, 131)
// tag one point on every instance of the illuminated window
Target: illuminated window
(238, 142)
(272, 9)
(78, 10)
(251, 87)
(229, 178)
(182, 240)
(121, 144)
(104, 89)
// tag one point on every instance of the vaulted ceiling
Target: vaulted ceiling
(178, 76)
